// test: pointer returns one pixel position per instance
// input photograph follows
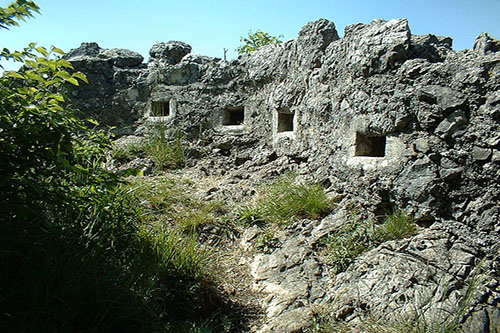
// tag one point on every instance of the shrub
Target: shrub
(72, 254)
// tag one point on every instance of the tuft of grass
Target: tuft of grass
(284, 200)
(165, 152)
(128, 152)
(398, 225)
(180, 282)
(356, 237)
(352, 239)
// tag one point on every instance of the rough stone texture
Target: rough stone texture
(172, 52)
(485, 44)
(438, 110)
(117, 91)
(122, 58)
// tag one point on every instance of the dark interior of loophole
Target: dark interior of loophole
(160, 109)
(371, 146)
(233, 116)
(285, 122)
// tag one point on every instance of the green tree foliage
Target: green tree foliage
(17, 11)
(256, 40)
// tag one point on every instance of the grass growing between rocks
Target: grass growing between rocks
(284, 200)
(129, 151)
(356, 237)
(165, 150)
(172, 201)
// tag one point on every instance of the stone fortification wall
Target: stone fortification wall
(386, 118)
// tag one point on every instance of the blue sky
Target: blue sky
(210, 26)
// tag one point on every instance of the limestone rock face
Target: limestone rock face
(85, 50)
(114, 94)
(373, 48)
(387, 119)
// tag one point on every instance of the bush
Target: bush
(256, 40)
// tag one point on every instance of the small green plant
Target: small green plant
(398, 225)
(165, 152)
(249, 216)
(267, 242)
(284, 200)
(356, 237)
(352, 239)
(256, 40)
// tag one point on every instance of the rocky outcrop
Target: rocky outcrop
(387, 119)
(171, 52)
(485, 44)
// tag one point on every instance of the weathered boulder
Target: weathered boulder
(430, 47)
(91, 49)
(122, 58)
(171, 52)
(374, 48)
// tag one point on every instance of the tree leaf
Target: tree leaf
(43, 51)
(13, 74)
(81, 76)
(73, 81)
(58, 50)
(32, 75)
(64, 63)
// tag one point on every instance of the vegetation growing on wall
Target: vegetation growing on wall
(355, 237)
